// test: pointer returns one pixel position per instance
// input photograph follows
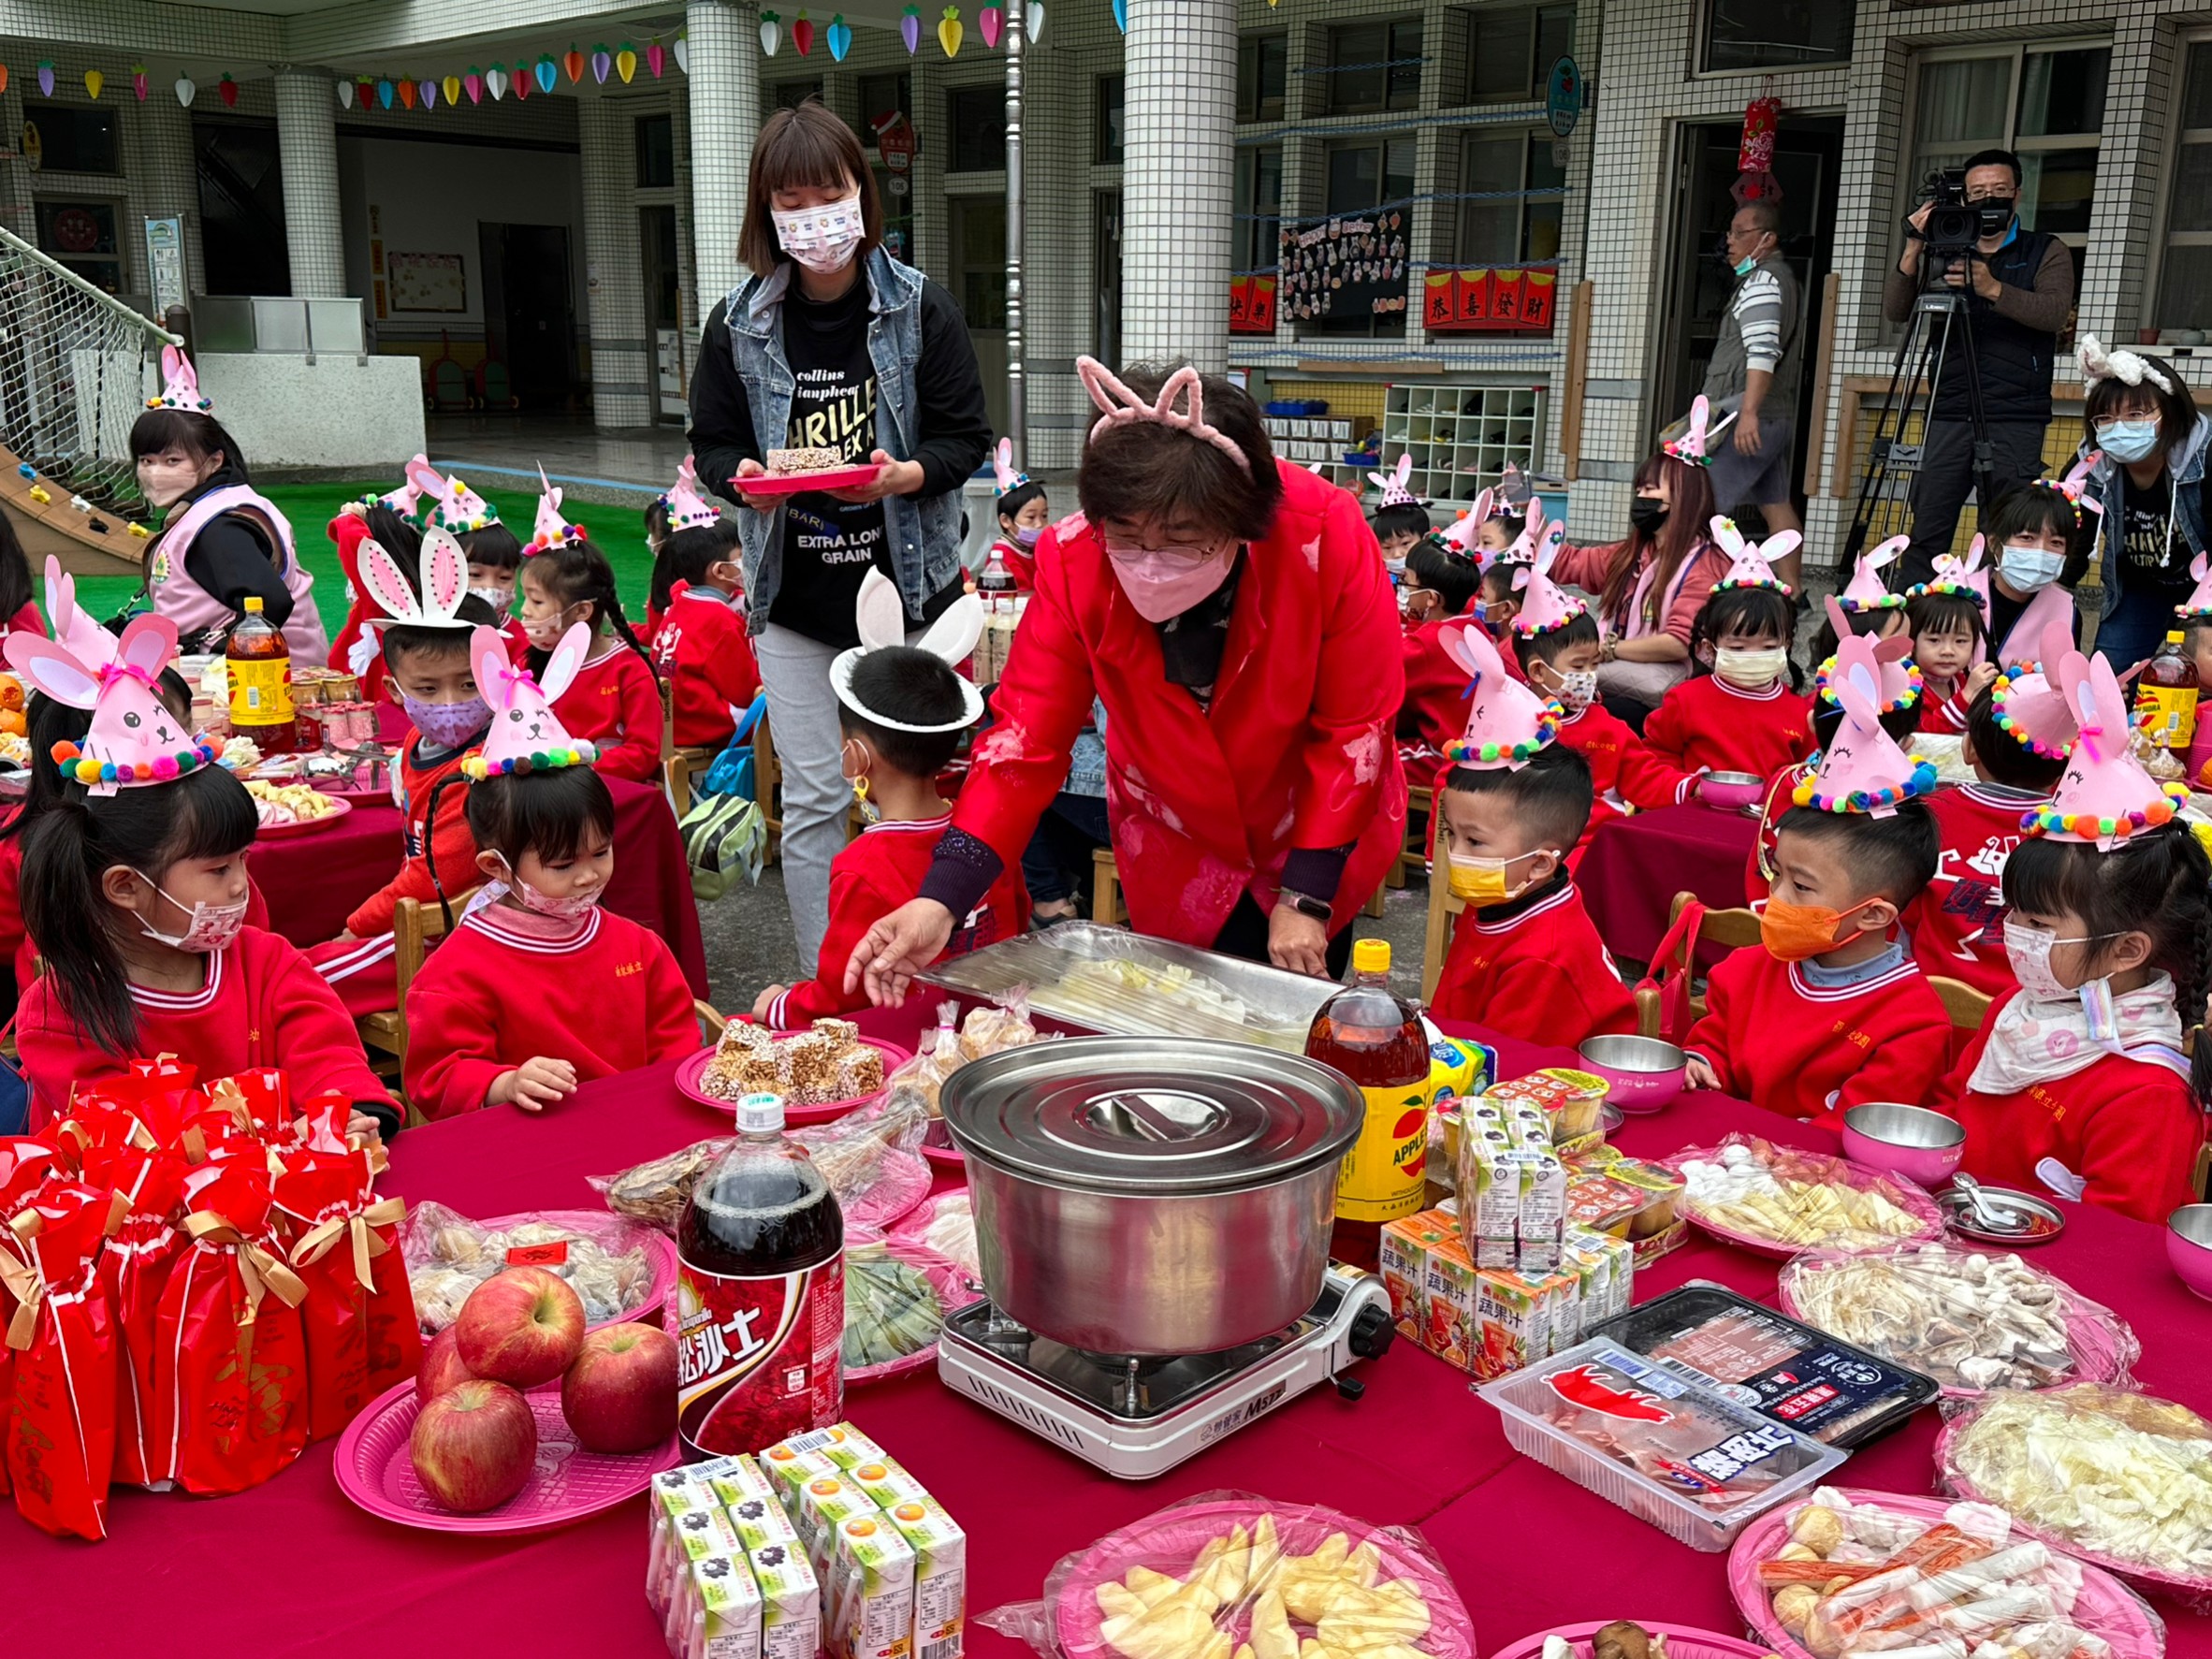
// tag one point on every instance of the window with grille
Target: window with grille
(1513, 197)
(2185, 277)
(1776, 33)
(1263, 72)
(1375, 66)
(1510, 51)
(975, 120)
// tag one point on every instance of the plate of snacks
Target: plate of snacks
(2118, 1478)
(1776, 1199)
(945, 1223)
(897, 1293)
(620, 1270)
(794, 471)
(1857, 1572)
(1625, 1638)
(820, 1074)
(988, 1030)
(1978, 1321)
(293, 808)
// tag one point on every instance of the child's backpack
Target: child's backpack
(732, 771)
(725, 831)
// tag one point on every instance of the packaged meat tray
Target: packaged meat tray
(1816, 1383)
(1658, 1440)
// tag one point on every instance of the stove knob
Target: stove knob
(1372, 1332)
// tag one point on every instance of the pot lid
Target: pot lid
(1151, 1116)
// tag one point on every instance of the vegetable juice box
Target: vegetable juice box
(885, 1481)
(1543, 1210)
(1513, 1324)
(940, 1576)
(761, 1521)
(724, 1603)
(789, 1471)
(1448, 1289)
(872, 1569)
(735, 1479)
(791, 1602)
(1489, 1194)
(1403, 1265)
(692, 1537)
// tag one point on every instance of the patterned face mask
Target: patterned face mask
(821, 238)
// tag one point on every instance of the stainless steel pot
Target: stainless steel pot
(1152, 1195)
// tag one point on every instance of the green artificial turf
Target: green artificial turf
(616, 531)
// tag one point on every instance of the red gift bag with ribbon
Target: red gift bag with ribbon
(61, 1423)
(136, 1270)
(331, 1220)
(27, 1163)
(229, 1350)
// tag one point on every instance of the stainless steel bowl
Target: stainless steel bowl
(1148, 1195)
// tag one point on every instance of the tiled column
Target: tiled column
(306, 150)
(724, 98)
(163, 182)
(622, 354)
(1176, 180)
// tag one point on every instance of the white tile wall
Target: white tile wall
(1180, 136)
(725, 99)
(307, 146)
(621, 350)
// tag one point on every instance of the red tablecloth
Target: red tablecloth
(292, 1567)
(314, 880)
(1635, 865)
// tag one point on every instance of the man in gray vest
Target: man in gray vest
(1755, 373)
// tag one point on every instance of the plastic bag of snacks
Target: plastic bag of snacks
(936, 1058)
(2118, 1478)
(1977, 1322)
(1779, 1199)
(61, 1433)
(1230, 1573)
(608, 1262)
(656, 1191)
(1862, 1572)
(869, 1161)
(897, 1293)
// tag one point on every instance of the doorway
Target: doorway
(530, 312)
(664, 297)
(1808, 157)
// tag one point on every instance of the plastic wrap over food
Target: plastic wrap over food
(1856, 1574)
(1978, 1321)
(616, 1269)
(655, 1191)
(1231, 1576)
(2119, 1478)
(945, 1223)
(1780, 1200)
(897, 1293)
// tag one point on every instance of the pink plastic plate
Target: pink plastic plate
(569, 1484)
(1905, 1196)
(901, 1183)
(617, 1233)
(339, 806)
(937, 1146)
(688, 1073)
(2106, 1608)
(1169, 1541)
(1683, 1642)
(799, 483)
(955, 1291)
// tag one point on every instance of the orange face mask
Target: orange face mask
(1791, 933)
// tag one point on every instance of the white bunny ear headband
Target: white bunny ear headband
(881, 615)
(1122, 407)
(2128, 368)
(444, 584)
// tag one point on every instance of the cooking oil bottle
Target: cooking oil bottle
(1378, 1041)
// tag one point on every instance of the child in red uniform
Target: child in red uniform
(19, 613)
(1022, 513)
(1828, 1011)
(1445, 585)
(540, 989)
(1400, 519)
(902, 710)
(615, 701)
(1948, 619)
(1524, 959)
(2077, 1082)
(2019, 733)
(702, 649)
(1740, 711)
(135, 885)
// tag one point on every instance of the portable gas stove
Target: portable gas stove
(1136, 1418)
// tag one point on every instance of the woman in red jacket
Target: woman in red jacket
(1232, 614)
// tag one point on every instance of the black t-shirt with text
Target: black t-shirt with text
(2151, 554)
(828, 544)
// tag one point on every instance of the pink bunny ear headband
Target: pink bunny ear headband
(1123, 407)
(179, 384)
(1003, 471)
(1751, 562)
(1691, 446)
(2075, 485)
(1507, 721)
(1863, 769)
(432, 603)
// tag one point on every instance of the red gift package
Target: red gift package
(229, 1350)
(27, 1163)
(61, 1423)
(341, 1244)
(135, 1271)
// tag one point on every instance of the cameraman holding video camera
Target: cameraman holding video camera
(2018, 286)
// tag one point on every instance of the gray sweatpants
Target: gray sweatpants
(803, 721)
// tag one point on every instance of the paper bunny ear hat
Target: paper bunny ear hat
(2105, 795)
(881, 615)
(1751, 564)
(1393, 484)
(1507, 722)
(1866, 591)
(2025, 643)
(179, 384)
(686, 508)
(1898, 682)
(551, 530)
(1954, 575)
(1697, 436)
(2075, 485)
(526, 734)
(2199, 603)
(1003, 473)
(134, 739)
(1459, 536)
(459, 508)
(73, 631)
(2029, 708)
(444, 583)
(1545, 606)
(1863, 769)
(406, 498)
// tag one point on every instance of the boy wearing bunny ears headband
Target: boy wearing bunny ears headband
(2077, 1081)
(1525, 958)
(902, 710)
(1828, 1011)
(1400, 520)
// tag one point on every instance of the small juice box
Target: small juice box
(940, 1576)
(873, 1570)
(740, 1480)
(846, 1446)
(1449, 1286)
(1402, 1264)
(1557, 1293)
(885, 1481)
(1543, 1211)
(789, 1471)
(761, 1521)
(791, 1602)
(693, 1535)
(1511, 1328)
(672, 1493)
(825, 1503)
(725, 1609)
(1488, 1194)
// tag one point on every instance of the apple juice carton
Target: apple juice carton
(1543, 1210)
(725, 1609)
(885, 1481)
(940, 1576)
(1511, 1324)
(873, 1569)
(791, 1602)
(1402, 1263)
(1448, 1288)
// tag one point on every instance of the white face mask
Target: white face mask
(571, 908)
(821, 238)
(498, 598)
(210, 927)
(1753, 671)
(2029, 950)
(2028, 567)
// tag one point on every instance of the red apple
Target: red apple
(475, 1445)
(521, 1327)
(442, 1367)
(621, 1393)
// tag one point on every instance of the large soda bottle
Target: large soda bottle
(259, 665)
(761, 1293)
(1378, 1041)
(2166, 695)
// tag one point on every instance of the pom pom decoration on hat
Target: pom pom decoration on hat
(2075, 485)
(2030, 710)
(1751, 564)
(526, 734)
(1004, 476)
(179, 384)
(1863, 769)
(1866, 591)
(1898, 682)
(459, 507)
(879, 616)
(1393, 484)
(133, 740)
(1697, 436)
(1459, 535)
(2199, 603)
(74, 630)
(406, 498)
(2105, 795)
(551, 530)
(688, 509)
(1966, 576)
(444, 584)
(1507, 721)
(1545, 606)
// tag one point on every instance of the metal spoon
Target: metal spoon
(1993, 1220)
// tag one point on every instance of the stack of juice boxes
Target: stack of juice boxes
(821, 1542)
(1609, 1192)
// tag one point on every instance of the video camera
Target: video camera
(1955, 225)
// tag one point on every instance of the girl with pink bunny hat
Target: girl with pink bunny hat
(1022, 513)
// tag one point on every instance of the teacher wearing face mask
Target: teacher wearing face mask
(831, 343)
(1231, 614)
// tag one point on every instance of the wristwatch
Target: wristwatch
(1320, 910)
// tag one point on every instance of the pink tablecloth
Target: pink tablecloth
(294, 1568)
(1635, 867)
(314, 881)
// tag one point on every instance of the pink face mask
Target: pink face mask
(1166, 582)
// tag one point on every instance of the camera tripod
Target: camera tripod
(1893, 463)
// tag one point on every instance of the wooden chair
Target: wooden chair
(1106, 904)
(414, 925)
(767, 780)
(1961, 1001)
(1443, 908)
(1414, 854)
(1733, 929)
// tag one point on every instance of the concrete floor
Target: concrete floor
(618, 466)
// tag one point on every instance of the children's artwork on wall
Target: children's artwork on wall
(428, 281)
